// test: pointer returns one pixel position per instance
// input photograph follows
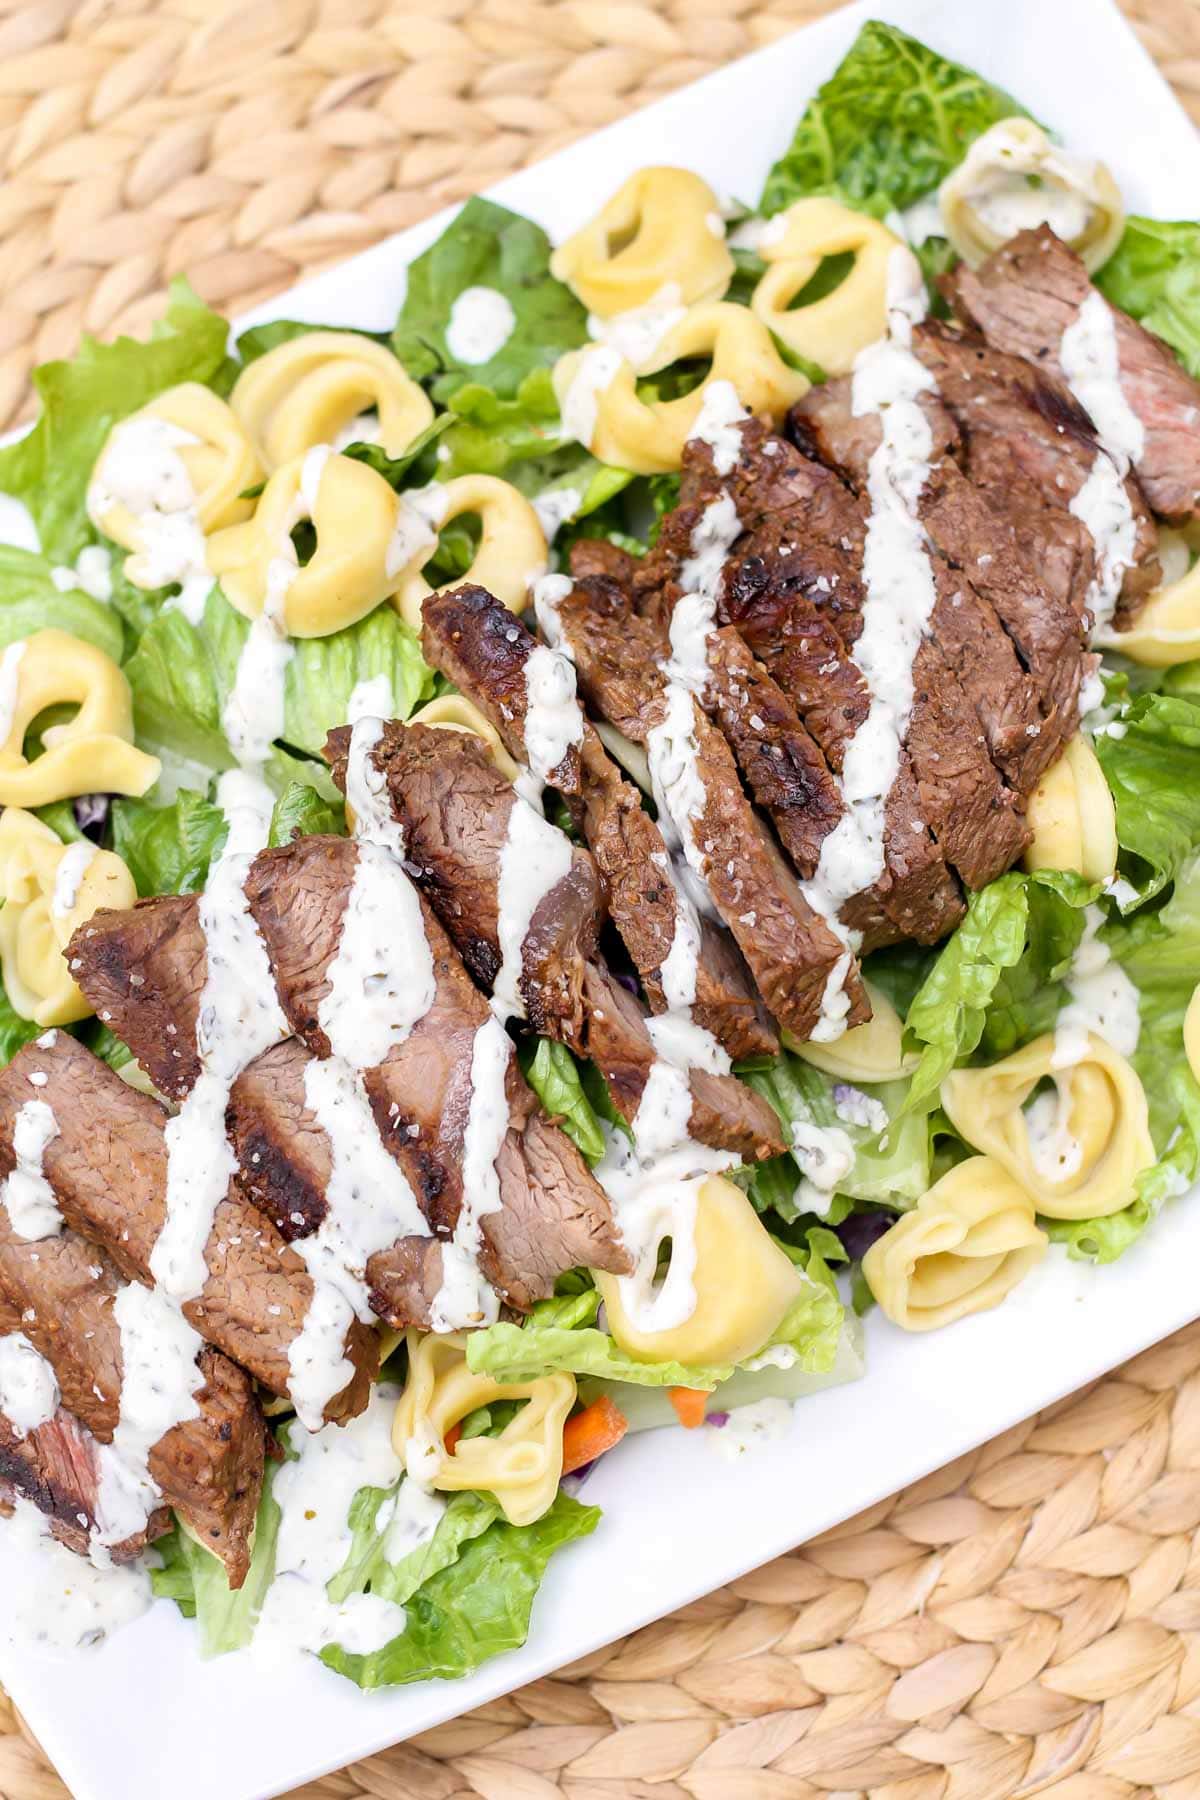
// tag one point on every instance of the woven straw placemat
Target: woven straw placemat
(1025, 1621)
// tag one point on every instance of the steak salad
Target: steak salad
(553, 857)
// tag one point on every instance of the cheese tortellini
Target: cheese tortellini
(354, 513)
(180, 465)
(597, 387)
(870, 1052)
(92, 752)
(1073, 817)
(743, 1284)
(1079, 1148)
(1012, 178)
(521, 1466)
(312, 391)
(1166, 630)
(834, 329)
(963, 1247)
(512, 550)
(49, 889)
(454, 712)
(661, 230)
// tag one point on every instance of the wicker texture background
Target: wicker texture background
(1024, 1622)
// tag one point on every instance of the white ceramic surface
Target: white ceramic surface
(143, 1718)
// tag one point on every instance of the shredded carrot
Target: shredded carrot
(689, 1404)
(451, 1438)
(591, 1432)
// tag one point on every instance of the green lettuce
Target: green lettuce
(258, 339)
(168, 848)
(182, 675)
(49, 469)
(984, 965)
(1154, 274)
(466, 1516)
(553, 1074)
(892, 120)
(891, 1166)
(194, 1578)
(1151, 768)
(301, 811)
(476, 1608)
(30, 601)
(486, 245)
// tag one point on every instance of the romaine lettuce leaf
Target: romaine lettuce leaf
(168, 848)
(49, 469)
(31, 601)
(892, 120)
(1151, 768)
(1154, 275)
(486, 245)
(474, 1609)
(14, 1030)
(466, 1516)
(553, 1074)
(182, 675)
(301, 811)
(196, 1581)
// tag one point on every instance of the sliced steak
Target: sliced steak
(425, 1081)
(1030, 447)
(208, 1467)
(56, 1466)
(1026, 295)
(789, 948)
(107, 1167)
(455, 805)
(479, 645)
(981, 586)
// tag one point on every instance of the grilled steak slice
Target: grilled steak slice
(107, 1166)
(981, 585)
(425, 1081)
(1026, 440)
(208, 1467)
(454, 806)
(56, 1466)
(1026, 295)
(789, 948)
(483, 649)
(786, 509)
(457, 809)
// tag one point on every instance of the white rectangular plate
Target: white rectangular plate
(142, 1716)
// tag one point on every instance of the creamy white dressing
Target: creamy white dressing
(853, 1107)
(918, 222)
(759, 234)
(653, 1200)
(29, 1393)
(369, 1207)
(548, 594)
(26, 1194)
(315, 1493)
(994, 180)
(553, 715)
(367, 791)
(749, 1427)
(535, 857)
(1103, 1000)
(56, 1600)
(825, 1155)
(900, 595)
(721, 413)
(73, 865)
(1091, 364)
(1056, 1152)
(381, 981)
(239, 1017)
(481, 322)
(142, 471)
(159, 1381)
(415, 533)
(636, 333)
(597, 368)
(410, 1518)
(363, 428)
(10, 677)
(91, 574)
(555, 508)
(371, 698)
(464, 1297)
